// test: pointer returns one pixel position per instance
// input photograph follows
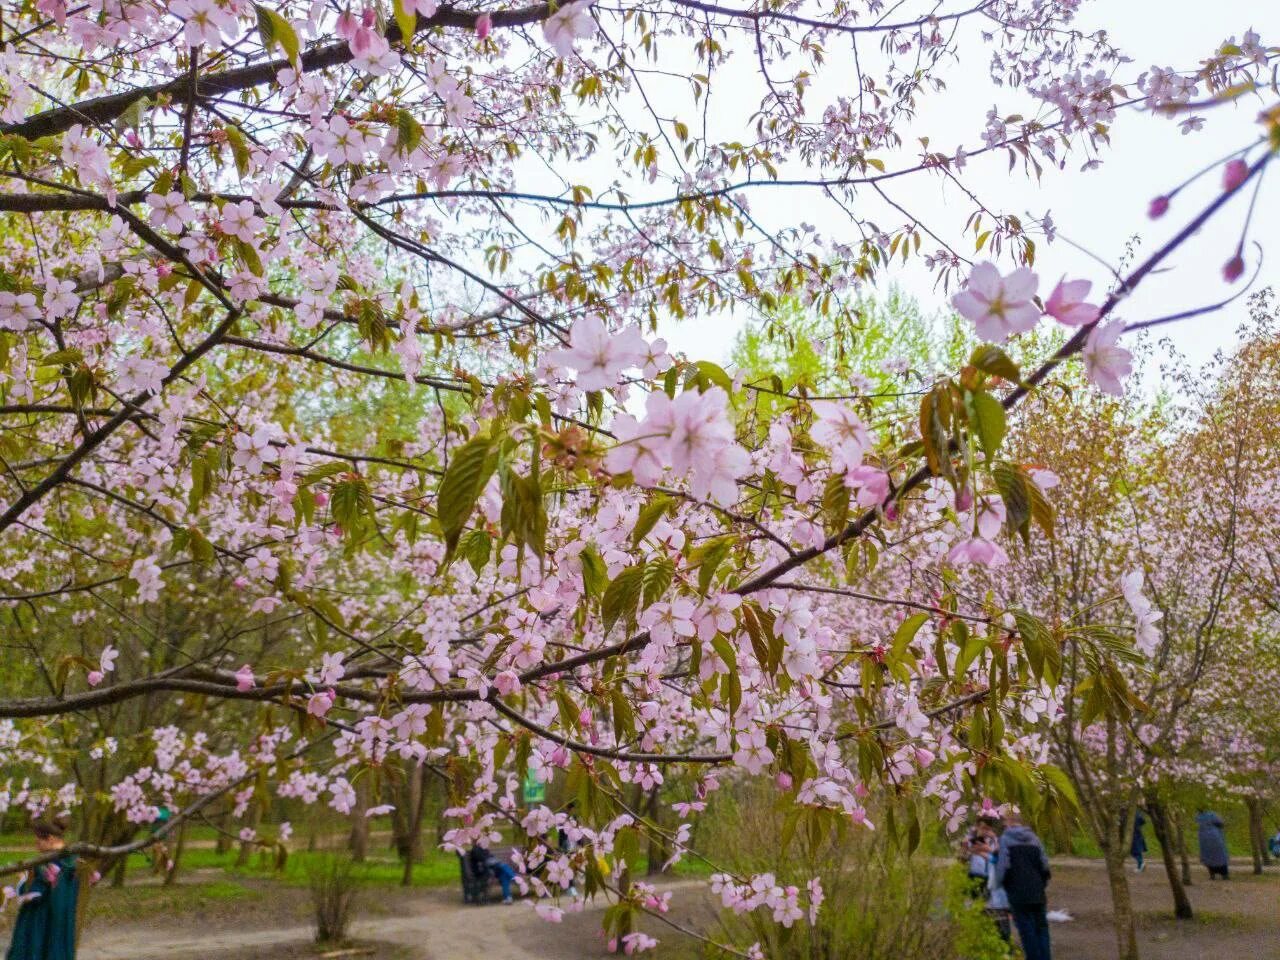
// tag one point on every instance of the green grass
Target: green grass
(128, 903)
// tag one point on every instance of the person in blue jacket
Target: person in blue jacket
(1138, 846)
(1022, 871)
(45, 928)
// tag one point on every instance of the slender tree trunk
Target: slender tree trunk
(222, 845)
(413, 838)
(171, 868)
(658, 852)
(1180, 841)
(358, 841)
(118, 872)
(1257, 841)
(255, 818)
(624, 921)
(1164, 836)
(1121, 904)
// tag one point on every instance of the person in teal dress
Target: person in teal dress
(45, 928)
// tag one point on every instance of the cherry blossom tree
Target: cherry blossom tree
(332, 383)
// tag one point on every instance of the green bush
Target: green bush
(880, 903)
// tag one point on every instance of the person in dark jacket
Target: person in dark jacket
(1138, 846)
(1213, 844)
(45, 928)
(485, 864)
(1022, 871)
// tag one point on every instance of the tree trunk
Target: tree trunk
(222, 845)
(658, 852)
(359, 839)
(171, 868)
(1160, 824)
(246, 848)
(624, 919)
(413, 834)
(1180, 841)
(1121, 904)
(1257, 839)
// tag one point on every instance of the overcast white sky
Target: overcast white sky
(1099, 209)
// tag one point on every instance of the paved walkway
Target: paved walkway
(439, 928)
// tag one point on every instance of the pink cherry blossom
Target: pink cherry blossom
(978, 551)
(244, 678)
(1066, 303)
(599, 355)
(839, 429)
(570, 23)
(207, 22)
(1105, 363)
(998, 306)
(170, 211)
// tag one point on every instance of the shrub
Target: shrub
(332, 880)
(880, 903)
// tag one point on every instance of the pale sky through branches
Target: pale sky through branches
(1099, 210)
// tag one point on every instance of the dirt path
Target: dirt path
(432, 926)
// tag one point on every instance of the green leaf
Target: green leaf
(276, 30)
(475, 548)
(658, 575)
(1013, 485)
(622, 596)
(991, 359)
(351, 503)
(595, 576)
(409, 130)
(708, 557)
(990, 422)
(906, 632)
(649, 516)
(239, 148)
(408, 24)
(1042, 649)
(469, 470)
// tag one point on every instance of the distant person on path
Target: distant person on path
(1022, 870)
(1213, 845)
(1274, 844)
(45, 928)
(1138, 847)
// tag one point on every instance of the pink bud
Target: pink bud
(964, 499)
(368, 18)
(347, 25)
(1159, 207)
(1233, 269)
(1234, 173)
(95, 677)
(891, 512)
(783, 780)
(244, 678)
(321, 498)
(484, 25)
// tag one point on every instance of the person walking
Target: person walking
(1022, 870)
(1138, 846)
(1213, 845)
(45, 928)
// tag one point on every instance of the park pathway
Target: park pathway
(439, 928)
